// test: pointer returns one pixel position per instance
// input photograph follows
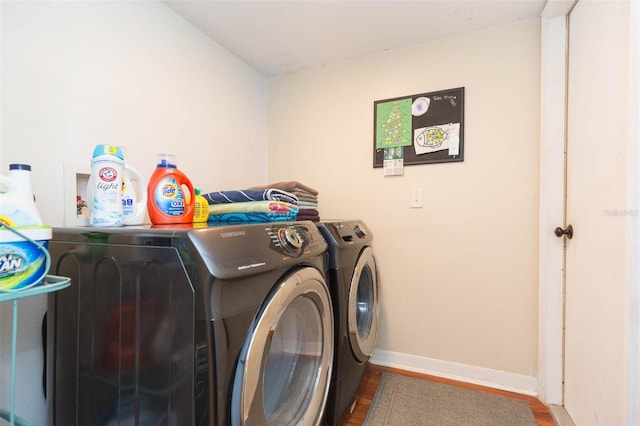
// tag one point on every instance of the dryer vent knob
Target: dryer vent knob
(361, 233)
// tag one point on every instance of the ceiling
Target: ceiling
(277, 37)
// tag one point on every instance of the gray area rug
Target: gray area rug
(401, 400)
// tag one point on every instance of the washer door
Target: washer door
(363, 306)
(284, 370)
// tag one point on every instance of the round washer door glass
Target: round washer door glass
(363, 306)
(285, 365)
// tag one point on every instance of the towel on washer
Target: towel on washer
(252, 211)
(251, 217)
(273, 207)
(308, 214)
(307, 198)
(238, 196)
(307, 205)
(293, 186)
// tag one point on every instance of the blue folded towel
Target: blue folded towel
(238, 196)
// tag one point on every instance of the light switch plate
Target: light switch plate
(415, 201)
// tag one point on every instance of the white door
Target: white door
(598, 103)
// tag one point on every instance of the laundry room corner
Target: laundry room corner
(458, 277)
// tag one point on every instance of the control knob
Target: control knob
(361, 233)
(290, 239)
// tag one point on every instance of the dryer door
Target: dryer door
(284, 369)
(363, 306)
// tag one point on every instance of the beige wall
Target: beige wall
(459, 276)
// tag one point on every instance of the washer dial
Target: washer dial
(361, 233)
(290, 239)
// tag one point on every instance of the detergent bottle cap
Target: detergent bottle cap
(108, 150)
(167, 160)
(26, 167)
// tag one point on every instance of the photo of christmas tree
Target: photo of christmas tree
(393, 123)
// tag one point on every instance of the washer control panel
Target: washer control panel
(292, 239)
(232, 251)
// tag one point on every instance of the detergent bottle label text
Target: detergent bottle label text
(169, 197)
(106, 203)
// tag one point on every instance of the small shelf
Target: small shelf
(51, 283)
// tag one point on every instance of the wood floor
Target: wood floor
(372, 377)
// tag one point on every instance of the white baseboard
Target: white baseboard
(560, 415)
(503, 380)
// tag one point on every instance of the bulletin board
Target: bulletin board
(427, 128)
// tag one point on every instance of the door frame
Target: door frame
(553, 83)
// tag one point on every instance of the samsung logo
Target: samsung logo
(232, 234)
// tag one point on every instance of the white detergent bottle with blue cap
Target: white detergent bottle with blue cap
(105, 204)
(17, 204)
(134, 196)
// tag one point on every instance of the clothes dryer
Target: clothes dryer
(353, 283)
(212, 326)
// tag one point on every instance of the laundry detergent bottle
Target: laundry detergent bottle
(107, 167)
(201, 208)
(17, 204)
(23, 257)
(134, 197)
(170, 194)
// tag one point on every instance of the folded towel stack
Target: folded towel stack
(307, 198)
(278, 202)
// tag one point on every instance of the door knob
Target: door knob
(560, 232)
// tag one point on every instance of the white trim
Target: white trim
(555, 8)
(560, 415)
(76, 177)
(551, 208)
(451, 370)
(633, 249)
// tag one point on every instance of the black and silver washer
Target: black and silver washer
(212, 326)
(353, 283)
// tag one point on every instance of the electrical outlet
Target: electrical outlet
(415, 201)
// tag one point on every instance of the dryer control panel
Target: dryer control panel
(346, 233)
(245, 249)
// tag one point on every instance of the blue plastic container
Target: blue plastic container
(23, 263)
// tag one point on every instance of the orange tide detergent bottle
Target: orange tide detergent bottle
(170, 194)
